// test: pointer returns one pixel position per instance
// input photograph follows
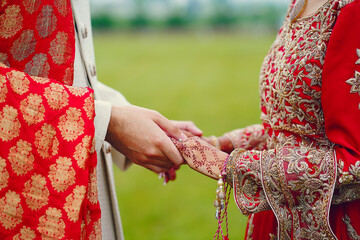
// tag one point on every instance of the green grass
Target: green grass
(209, 78)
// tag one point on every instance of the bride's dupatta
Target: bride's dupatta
(48, 187)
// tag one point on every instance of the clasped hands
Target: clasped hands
(150, 140)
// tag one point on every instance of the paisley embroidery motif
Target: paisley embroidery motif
(59, 49)
(92, 193)
(3, 89)
(62, 174)
(21, 157)
(46, 142)
(18, 82)
(71, 125)
(73, 203)
(31, 5)
(46, 22)
(25, 234)
(56, 96)
(82, 151)
(11, 21)
(9, 123)
(4, 175)
(51, 225)
(11, 210)
(62, 7)
(89, 107)
(38, 66)
(24, 45)
(36, 193)
(32, 109)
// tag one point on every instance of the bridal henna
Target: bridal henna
(201, 156)
(223, 143)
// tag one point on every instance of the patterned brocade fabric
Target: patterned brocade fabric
(309, 86)
(48, 186)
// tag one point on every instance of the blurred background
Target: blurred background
(193, 60)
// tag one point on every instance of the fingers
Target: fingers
(172, 153)
(191, 127)
(167, 126)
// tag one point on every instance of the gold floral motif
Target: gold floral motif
(46, 21)
(4, 59)
(10, 21)
(77, 91)
(59, 48)
(68, 76)
(71, 125)
(82, 151)
(3, 3)
(62, 7)
(73, 203)
(21, 158)
(31, 5)
(96, 231)
(46, 142)
(51, 226)
(11, 210)
(18, 82)
(89, 107)
(4, 175)
(38, 66)
(9, 123)
(62, 174)
(3, 88)
(32, 109)
(92, 193)
(24, 45)
(41, 80)
(355, 83)
(26, 233)
(36, 193)
(56, 96)
(83, 230)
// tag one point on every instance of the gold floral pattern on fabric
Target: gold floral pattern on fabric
(9, 124)
(251, 137)
(36, 192)
(3, 89)
(25, 234)
(58, 48)
(82, 151)
(89, 107)
(18, 82)
(41, 80)
(56, 96)
(96, 232)
(62, 174)
(24, 45)
(21, 157)
(62, 7)
(11, 210)
(350, 229)
(11, 21)
(77, 91)
(4, 174)
(38, 66)
(73, 203)
(355, 81)
(46, 21)
(31, 6)
(71, 125)
(32, 109)
(4, 59)
(51, 225)
(46, 142)
(69, 75)
(92, 193)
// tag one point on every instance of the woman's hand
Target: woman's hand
(201, 156)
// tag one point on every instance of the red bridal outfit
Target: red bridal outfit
(48, 186)
(297, 175)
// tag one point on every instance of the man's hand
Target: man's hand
(188, 128)
(142, 135)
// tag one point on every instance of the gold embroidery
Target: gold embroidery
(96, 232)
(38, 66)
(51, 226)
(46, 21)
(25, 234)
(18, 82)
(3, 88)
(92, 193)
(31, 5)
(77, 91)
(82, 151)
(355, 83)
(21, 158)
(350, 229)
(11, 21)
(11, 210)
(9, 124)
(3, 3)
(40, 80)
(59, 48)
(71, 125)
(24, 45)
(73, 203)
(56, 96)
(36, 193)
(4, 175)
(62, 174)
(46, 142)
(68, 77)
(32, 109)
(89, 107)
(62, 7)
(4, 59)
(250, 227)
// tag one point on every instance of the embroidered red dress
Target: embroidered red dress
(297, 175)
(48, 186)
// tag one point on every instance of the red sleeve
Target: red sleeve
(341, 86)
